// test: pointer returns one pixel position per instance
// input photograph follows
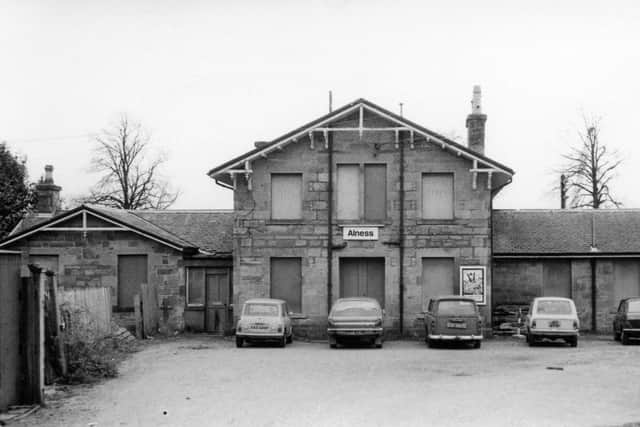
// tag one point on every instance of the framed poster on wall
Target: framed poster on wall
(473, 283)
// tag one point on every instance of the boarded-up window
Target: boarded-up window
(348, 192)
(375, 192)
(132, 271)
(362, 277)
(627, 279)
(437, 196)
(286, 281)
(437, 278)
(195, 286)
(556, 279)
(286, 196)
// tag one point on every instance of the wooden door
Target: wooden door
(556, 280)
(627, 279)
(286, 281)
(437, 279)
(132, 271)
(217, 298)
(362, 277)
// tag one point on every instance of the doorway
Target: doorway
(217, 301)
(362, 277)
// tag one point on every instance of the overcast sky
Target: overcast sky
(208, 78)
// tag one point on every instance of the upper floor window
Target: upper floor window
(437, 196)
(362, 191)
(286, 196)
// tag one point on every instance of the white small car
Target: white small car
(262, 320)
(553, 318)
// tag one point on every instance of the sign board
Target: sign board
(360, 233)
(473, 283)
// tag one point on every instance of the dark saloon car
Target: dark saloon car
(356, 319)
(627, 321)
(453, 318)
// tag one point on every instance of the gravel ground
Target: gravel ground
(202, 381)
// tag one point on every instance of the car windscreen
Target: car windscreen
(634, 306)
(355, 309)
(261, 309)
(456, 308)
(554, 307)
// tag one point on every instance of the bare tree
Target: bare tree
(590, 168)
(131, 179)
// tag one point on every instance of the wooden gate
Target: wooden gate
(21, 333)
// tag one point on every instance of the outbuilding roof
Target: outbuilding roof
(208, 231)
(593, 232)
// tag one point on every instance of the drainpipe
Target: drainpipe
(330, 222)
(401, 239)
(594, 290)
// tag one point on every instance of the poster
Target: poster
(473, 283)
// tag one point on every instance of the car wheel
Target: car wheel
(431, 343)
(573, 342)
(477, 344)
(239, 342)
(616, 335)
(333, 343)
(283, 341)
(290, 337)
(531, 340)
(624, 338)
(378, 342)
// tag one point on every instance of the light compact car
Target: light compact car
(354, 319)
(552, 318)
(453, 318)
(626, 324)
(263, 320)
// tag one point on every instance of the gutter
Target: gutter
(401, 240)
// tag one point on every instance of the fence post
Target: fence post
(138, 314)
(32, 335)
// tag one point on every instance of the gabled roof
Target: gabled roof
(304, 130)
(593, 232)
(210, 230)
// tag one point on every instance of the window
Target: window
(362, 192)
(286, 281)
(437, 196)
(195, 286)
(286, 196)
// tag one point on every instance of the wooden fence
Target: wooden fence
(87, 310)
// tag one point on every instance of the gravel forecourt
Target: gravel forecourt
(200, 380)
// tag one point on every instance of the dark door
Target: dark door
(556, 279)
(10, 313)
(362, 277)
(286, 281)
(132, 271)
(437, 278)
(217, 297)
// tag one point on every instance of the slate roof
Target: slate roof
(210, 231)
(566, 231)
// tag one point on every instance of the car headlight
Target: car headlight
(378, 323)
(279, 328)
(533, 324)
(331, 324)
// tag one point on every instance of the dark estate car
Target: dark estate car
(356, 319)
(453, 318)
(627, 321)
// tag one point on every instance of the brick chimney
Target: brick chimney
(48, 193)
(475, 123)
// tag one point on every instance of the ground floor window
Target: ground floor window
(195, 286)
(286, 281)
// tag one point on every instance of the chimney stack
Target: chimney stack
(475, 123)
(48, 193)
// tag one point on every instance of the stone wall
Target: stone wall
(92, 261)
(257, 238)
(519, 281)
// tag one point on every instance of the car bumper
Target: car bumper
(455, 337)
(360, 332)
(259, 335)
(553, 334)
(633, 332)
